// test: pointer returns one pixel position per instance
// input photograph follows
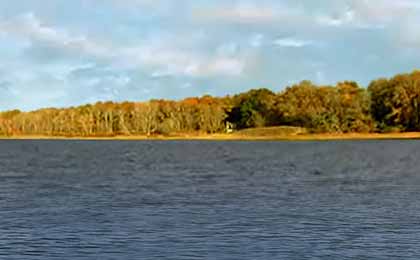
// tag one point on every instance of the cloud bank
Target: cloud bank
(65, 53)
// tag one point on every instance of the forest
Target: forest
(386, 105)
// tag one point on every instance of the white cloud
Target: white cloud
(29, 27)
(129, 4)
(228, 49)
(136, 2)
(256, 40)
(370, 14)
(400, 19)
(229, 66)
(292, 42)
(247, 13)
(385, 10)
(346, 18)
(172, 60)
(186, 85)
(354, 13)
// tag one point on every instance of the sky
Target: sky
(59, 53)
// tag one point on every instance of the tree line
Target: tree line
(385, 105)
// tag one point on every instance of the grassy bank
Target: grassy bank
(268, 133)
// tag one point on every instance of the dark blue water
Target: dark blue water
(209, 200)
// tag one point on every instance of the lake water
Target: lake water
(209, 200)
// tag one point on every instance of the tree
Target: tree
(395, 103)
(254, 108)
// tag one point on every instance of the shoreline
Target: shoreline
(231, 137)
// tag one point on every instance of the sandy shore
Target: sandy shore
(234, 137)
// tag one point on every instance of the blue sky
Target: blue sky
(63, 53)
